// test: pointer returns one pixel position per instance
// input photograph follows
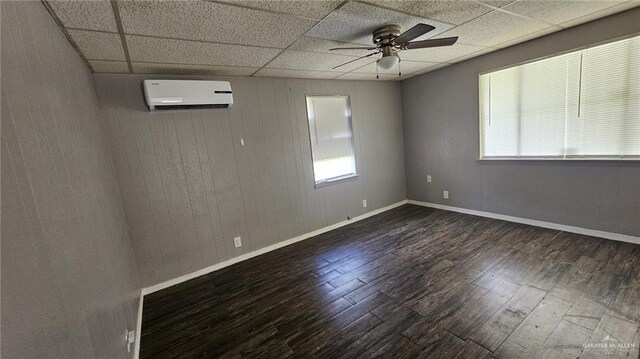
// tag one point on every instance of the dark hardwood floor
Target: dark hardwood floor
(411, 282)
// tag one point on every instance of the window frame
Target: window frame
(481, 158)
(337, 179)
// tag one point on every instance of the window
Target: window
(331, 138)
(580, 105)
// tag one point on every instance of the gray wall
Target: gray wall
(189, 187)
(69, 281)
(440, 111)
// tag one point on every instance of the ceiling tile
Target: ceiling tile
(452, 12)
(315, 61)
(404, 77)
(316, 9)
(439, 54)
(355, 22)
(602, 13)
(497, 3)
(207, 21)
(484, 50)
(530, 36)
(296, 74)
(370, 77)
(558, 11)
(109, 66)
(433, 68)
(98, 45)
(424, 71)
(92, 15)
(322, 45)
(494, 28)
(176, 69)
(407, 67)
(149, 49)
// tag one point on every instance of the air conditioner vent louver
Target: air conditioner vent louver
(190, 107)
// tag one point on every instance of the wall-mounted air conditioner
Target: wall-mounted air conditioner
(181, 94)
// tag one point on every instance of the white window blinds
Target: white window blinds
(331, 138)
(584, 104)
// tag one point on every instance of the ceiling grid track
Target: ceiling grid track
(116, 14)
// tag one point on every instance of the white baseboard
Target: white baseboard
(136, 344)
(215, 267)
(533, 222)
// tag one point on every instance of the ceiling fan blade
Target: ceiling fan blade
(359, 58)
(354, 48)
(445, 41)
(412, 33)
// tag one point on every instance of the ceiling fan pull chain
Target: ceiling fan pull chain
(399, 67)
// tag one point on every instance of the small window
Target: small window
(580, 105)
(331, 138)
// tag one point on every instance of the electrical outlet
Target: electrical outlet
(428, 178)
(130, 338)
(364, 203)
(445, 194)
(237, 242)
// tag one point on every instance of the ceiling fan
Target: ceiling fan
(389, 41)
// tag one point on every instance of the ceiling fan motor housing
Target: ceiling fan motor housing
(385, 35)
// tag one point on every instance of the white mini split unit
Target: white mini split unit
(186, 94)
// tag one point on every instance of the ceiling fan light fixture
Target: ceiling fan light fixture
(388, 62)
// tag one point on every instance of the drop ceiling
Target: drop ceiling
(281, 38)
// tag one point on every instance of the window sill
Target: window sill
(558, 159)
(335, 180)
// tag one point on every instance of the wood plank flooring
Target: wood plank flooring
(412, 282)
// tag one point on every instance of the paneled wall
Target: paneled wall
(189, 186)
(69, 281)
(440, 112)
